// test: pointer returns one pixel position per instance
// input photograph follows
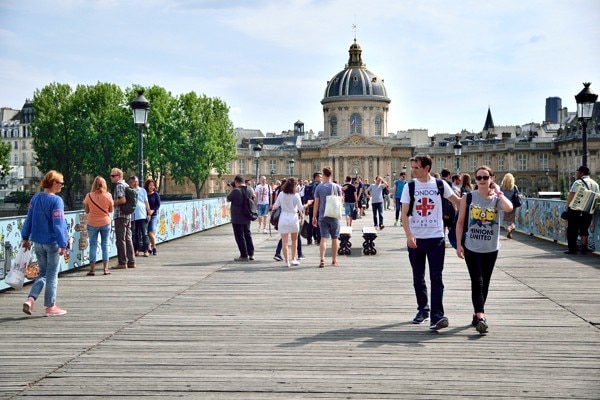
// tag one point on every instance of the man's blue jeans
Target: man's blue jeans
(377, 211)
(434, 251)
(93, 232)
(48, 261)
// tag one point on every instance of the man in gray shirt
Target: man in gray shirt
(375, 193)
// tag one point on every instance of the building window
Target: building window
(472, 163)
(543, 161)
(522, 162)
(333, 126)
(378, 125)
(16, 145)
(316, 168)
(500, 162)
(273, 166)
(242, 165)
(355, 123)
(487, 160)
(440, 163)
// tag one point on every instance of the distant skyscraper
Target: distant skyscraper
(553, 107)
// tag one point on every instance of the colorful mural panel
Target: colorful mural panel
(176, 219)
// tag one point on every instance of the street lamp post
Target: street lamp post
(291, 163)
(457, 152)
(140, 107)
(585, 107)
(272, 175)
(394, 176)
(257, 149)
(404, 169)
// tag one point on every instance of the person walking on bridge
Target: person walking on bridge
(579, 222)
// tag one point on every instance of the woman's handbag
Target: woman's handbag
(275, 217)
(16, 275)
(333, 204)
(304, 229)
(515, 199)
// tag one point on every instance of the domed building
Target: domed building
(355, 100)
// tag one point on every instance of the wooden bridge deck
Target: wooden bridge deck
(191, 323)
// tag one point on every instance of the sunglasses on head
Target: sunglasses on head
(482, 177)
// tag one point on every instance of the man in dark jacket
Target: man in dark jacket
(240, 220)
(312, 233)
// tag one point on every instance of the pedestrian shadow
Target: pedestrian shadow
(398, 334)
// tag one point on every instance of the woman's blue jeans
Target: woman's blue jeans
(93, 232)
(48, 261)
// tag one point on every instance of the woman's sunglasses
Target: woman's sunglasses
(482, 177)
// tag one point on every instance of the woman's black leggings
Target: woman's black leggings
(481, 266)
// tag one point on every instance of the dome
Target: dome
(355, 81)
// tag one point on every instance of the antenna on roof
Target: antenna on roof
(354, 28)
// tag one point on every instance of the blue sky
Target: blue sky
(443, 62)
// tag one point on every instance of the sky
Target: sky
(443, 62)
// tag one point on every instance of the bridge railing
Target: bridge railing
(541, 218)
(176, 219)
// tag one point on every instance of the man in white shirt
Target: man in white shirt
(263, 194)
(424, 230)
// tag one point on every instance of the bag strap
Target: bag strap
(411, 193)
(96, 204)
(584, 182)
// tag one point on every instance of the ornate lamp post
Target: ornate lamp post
(457, 152)
(585, 106)
(140, 107)
(272, 175)
(404, 169)
(257, 149)
(291, 164)
(394, 176)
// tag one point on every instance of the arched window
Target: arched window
(333, 126)
(378, 125)
(355, 123)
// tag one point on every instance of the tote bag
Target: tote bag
(333, 204)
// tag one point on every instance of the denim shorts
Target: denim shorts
(329, 227)
(263, 209)
(152, 223)
(349, 208)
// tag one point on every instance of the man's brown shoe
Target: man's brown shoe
(120, 266)
(130, 265)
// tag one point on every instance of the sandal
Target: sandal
(91, 273)
(107, 272)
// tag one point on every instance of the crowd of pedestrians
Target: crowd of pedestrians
(305, 210)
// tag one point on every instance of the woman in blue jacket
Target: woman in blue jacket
(46, 227)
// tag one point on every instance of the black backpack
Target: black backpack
(249, 205)
(448, 211)
(130, 201)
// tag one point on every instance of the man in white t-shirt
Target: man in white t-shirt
(424, 230)
(263, 194)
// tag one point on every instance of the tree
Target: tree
(58, 132)
(161, 133)
(4, 159)
(206, 139)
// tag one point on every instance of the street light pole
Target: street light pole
(257, 149)
(140, 107)
(585, 107)
(457, 152)
(291, 163)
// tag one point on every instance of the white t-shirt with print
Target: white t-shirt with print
(426, 221)
(263, 193)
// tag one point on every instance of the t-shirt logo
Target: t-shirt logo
(425, 206)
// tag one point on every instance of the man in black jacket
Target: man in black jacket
(240, 220)
(308, 200)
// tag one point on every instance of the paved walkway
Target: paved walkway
(191, 323)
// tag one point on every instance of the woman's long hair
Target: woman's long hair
(508, 182)
(99, 185)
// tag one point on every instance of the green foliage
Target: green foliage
(22, 200)
(206, 141)
(89, 130)
(4, 159)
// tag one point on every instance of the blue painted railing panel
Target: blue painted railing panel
(176, 219)
(541, 217)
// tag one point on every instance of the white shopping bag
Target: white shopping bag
(16, 275)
